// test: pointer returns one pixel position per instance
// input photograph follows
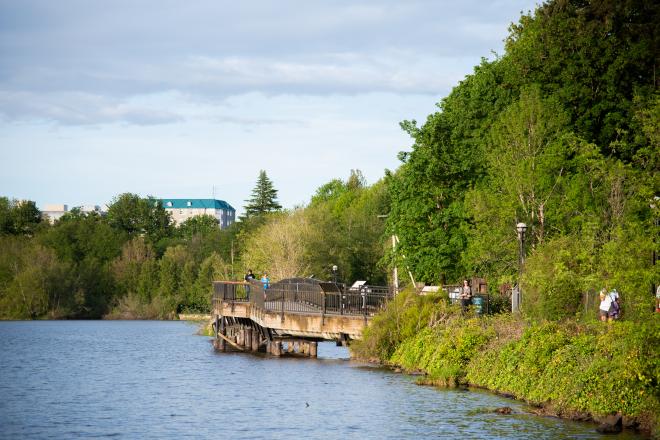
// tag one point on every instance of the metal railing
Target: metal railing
(304, 296)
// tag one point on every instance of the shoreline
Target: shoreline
(602, 424)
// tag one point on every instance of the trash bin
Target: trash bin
(478, 303)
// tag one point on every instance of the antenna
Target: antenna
(213, 191)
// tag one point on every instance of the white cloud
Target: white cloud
(77, 108)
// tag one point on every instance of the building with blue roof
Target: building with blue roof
(183, 209)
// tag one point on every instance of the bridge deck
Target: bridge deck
(300, 307)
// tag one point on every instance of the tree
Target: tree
(140, 216)
(20, 217)
(197, 225)
(278, 247)
(264, 197)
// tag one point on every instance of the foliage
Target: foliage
(560, 132)
(89, 266)
(279, 246)
(19, 217)
(197, 225)
(135, 215)
(404, 317)
(596, 369)
(264, 197)
(339, 227)
(33, 282)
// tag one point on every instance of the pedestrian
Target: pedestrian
(249, 277)
(657, 299)
(465, 295)
(266, 283)
(605, 304)
(615, 305)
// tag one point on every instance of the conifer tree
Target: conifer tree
(264, 197)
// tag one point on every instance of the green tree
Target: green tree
(264, 197)
(135, 215)
(197, 225)
(19, 217)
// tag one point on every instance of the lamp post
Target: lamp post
(339, 292)
(517, 299)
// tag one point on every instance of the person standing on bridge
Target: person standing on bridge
(249, 277)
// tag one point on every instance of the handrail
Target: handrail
(303, 297)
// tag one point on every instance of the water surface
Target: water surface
(150, 379)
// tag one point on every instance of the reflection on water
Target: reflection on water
(135, 379)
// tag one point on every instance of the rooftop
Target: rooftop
(196, 204)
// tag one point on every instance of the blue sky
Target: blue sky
(178, 99)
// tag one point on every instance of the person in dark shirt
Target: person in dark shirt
(249, 276)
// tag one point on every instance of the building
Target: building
(183, 209)
(54, 212)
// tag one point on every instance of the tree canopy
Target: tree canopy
(264, 197)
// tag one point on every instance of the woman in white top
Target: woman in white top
(605, 303)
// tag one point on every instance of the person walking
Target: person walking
(465, 295)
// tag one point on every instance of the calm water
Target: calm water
(146, 379)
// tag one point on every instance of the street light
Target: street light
(334, 273)
(516, 299)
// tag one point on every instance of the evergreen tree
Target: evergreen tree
(264, 197)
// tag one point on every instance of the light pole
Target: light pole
(339, 292)
(516, 300)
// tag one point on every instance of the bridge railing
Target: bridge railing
(304, 296)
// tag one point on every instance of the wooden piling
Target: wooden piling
(248, 338)
(276, 348)
(223, 331)
(256, 339)
(313, 346)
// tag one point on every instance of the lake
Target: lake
(153, 379)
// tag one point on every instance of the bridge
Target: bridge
(292, 315)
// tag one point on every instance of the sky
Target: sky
(192, 99)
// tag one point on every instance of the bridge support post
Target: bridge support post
(255, 339)
(240, 337)
(313, 349)
(248, 338)
(276, 348)
(223, 331)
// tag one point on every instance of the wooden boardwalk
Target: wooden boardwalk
(291, 316)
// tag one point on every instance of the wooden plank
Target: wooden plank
(232, 343)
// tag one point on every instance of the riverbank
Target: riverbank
(576, 370)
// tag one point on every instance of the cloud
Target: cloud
(75, 63)
(75, 108)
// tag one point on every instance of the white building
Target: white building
(183, 209)
(54, 212)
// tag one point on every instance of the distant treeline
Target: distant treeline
(135, 263)
(131, 263)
